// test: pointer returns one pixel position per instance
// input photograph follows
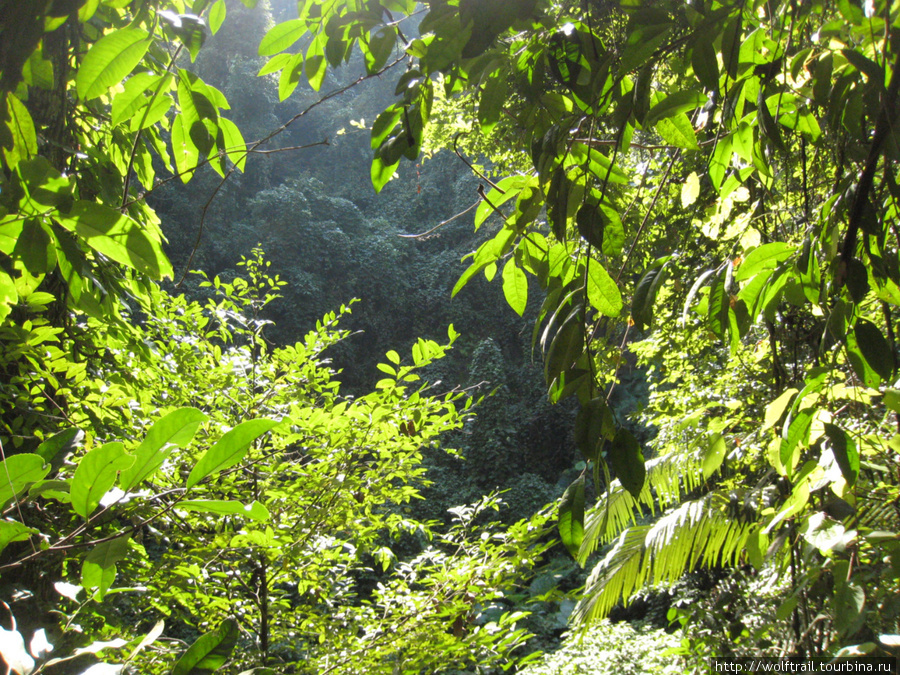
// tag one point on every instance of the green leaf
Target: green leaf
(254, 510)
(11, 530)
(118, 237)
(775, 410)
(99, 568)
(713, 455)
(677, 130)
(627, 462)
(96, 474)
(109, 60)
(18, 472)
(763, 257)
(230, 449)
(381, 173)
(175, 430)
(21, 127)
(55, 448)
(874, 348)
(690, 190)
(704, 62)
(593, 423)
(515, 286)
(645, 293)
(281, 36)
(234, 143)
(210, 651)
(570, 521)
(845, 452)
(217, 16)
(679, 102)
(602, 292)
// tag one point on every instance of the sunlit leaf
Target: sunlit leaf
(229, 450)
(109, 60)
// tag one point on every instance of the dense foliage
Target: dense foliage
(703, 192)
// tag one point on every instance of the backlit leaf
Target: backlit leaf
(515, 286)
(96, 474)
(229, 450)
(210, 651)
(109, 60)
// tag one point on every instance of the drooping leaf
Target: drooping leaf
(109, 60)
(96, 474)
(229, 450)
(515, 286)
(570, 521)
(645, 293)
(763, 257)
(217, 16)
(593, 423)
(210, 652)
(627, 461)
(845, 452)
(602, 292)
(875, 348)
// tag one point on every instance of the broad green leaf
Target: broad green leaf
(381, 173)
(570, 521)
(875, 348)
(229, 450)
(627, 461)
(593, 423)
(763, 257)
(217, 16)
(127, 102)
(290, 76)
(704, 62)
(713, 455)
(255, 510)
(678, 102)
(118, 237)
(775, 410)
(795, 436)
(281, 36)
(99, 568)
(175, 430)
(96, 474)
(8, 294)
(55, 448)
(210, 651)
(109, 60)
(646, 291)
(690, 190)
(18, 472)
(277, 63)
(21, 127)
(602, 292)
(515, 286)
(234, 143)
(677, 130)
(845, 452)
(11, 530)
(184, 150)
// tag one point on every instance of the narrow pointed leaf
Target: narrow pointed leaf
(254, 510)
(210, 651)
(571, 517)
(230, 449)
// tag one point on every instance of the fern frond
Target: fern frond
(669, 478)
(696, 533)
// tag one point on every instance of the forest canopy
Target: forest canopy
(702, 194)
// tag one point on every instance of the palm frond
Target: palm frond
(696, 533)
(669, 479)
